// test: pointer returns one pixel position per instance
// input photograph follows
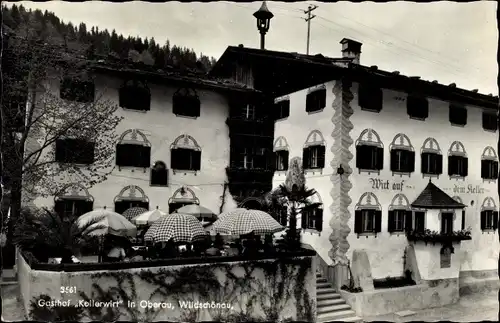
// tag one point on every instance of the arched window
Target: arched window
(74, 200)
(369, 151)
(400, 214)
(131, 196)
(281, 154)
(185, 102)
(458, 163)
(313, 154)
(402, 155)
(133, 150)
(489, 215)
(185, 154)
(159, 174)
(367, 215)
(135, 95)
(312, 213)
(489, 164)
(182, 196)
(432, 159)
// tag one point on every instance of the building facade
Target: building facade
(370, 142)
(174, 143)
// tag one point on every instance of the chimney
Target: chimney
(351, 49)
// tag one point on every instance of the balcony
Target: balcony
(249, 175)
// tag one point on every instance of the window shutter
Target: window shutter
(309, 102)
(305, 158)
(463, 220)
(378, 221)
(195, 107)
(121, 155)
(411, 161)
(285, 112)
(408, 221)
(439, 164)
(358, 221)
(390, 223)
(424, 163)
(424, 108)
(285, 158)
(362, 155)
(321, 99)
(394, 160)
(465, 170)
(443, 221)
(89, 152)
(196, 156)
(420, 221)
(319, 219)
(483, 220)
(485, 168)
(495, 169)
(175, 158)
(495, 220)
(60, 151)
(303, 219)
(121, 206)
(452, 165)
(380, 158)
(144, 157)
(275, 160)
(321, 156)
(145, 99)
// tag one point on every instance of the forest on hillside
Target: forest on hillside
(102, 43)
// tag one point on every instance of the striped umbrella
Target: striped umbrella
(149, 217)
(111, 223)
(133, 212)
(202, 213)
(247, 221)
(177, 226)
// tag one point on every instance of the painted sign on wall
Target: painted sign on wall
(386, 185)
(469, 189)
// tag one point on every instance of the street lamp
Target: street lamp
(263, 16)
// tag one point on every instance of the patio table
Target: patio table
(58, 260)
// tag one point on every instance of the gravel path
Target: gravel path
(12, 308)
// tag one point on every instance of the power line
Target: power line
(310, 17)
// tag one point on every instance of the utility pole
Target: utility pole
(308, 20)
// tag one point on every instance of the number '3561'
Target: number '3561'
(68, 289)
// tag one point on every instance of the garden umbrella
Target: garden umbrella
(233, 211)
(133, 212)
(177, 226)
(149, 217)
(200, 212)
(112, 223)
(247, 221)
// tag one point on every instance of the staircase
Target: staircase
(330, 306)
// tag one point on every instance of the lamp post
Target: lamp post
(263, 16)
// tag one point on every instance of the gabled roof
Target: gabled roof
(433, 197)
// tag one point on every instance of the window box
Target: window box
(186, 103)
(313, 157)
(458, 115)
(281, 158)
(367, 221)
(434, 236)
(417, 107)
(370, 98)
(72, 89)
(74, 151)
(133, 155)
(458, 166)
(489, 169)
(316, 101)
(282, 109)
(432, 163)
(489, 220)
(185, 159)
(312, 219)
(135, 96)
(369, 157)
(402, 161)
(490, 121)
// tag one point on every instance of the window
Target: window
(313, 157)
(186, 103)
(369, 157)
(133, 155)
(281, 157)
(417, 107)
(432, 163)
(489, 169)
(282, 216)
(463, 220)
(402, 161)
(312, 219)
(159, 174)
(185, 159)
(367, 221)
(370, 98)
(282, 109)
(72, 89)
(316, 101)
(458, 166)
(397, 220)
(249, 112)
(68, 208)
(446, 223)
(123, 205)
(458, 115)
(489, 220)
(415, 221)
(490, 121)
(74, 151)
(135, 96)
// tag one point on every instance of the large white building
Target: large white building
(371, 142)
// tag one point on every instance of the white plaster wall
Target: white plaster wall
(386, 250)
(161, 128)
(433, 219)
(429, 261)
(295, 129)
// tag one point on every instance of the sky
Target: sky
(445, 41)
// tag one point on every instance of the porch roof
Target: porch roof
(432, 197)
